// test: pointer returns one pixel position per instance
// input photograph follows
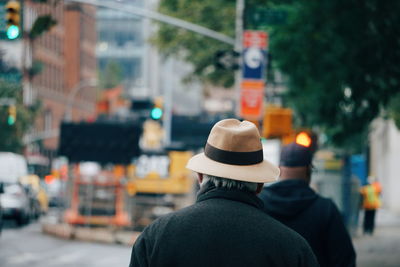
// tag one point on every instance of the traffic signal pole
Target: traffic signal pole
(168, 95)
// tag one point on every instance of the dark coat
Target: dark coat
(223, 228)
(317, 219)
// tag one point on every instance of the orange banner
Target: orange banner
(251, 99)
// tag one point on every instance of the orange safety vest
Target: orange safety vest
(370, 193)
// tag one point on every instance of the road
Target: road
(27, 246)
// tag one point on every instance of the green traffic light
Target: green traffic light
(10, 120)
(12, 32)
(156, 113)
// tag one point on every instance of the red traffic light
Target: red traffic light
(303, 139)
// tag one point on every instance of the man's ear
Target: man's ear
(259, 188)
(200, 177)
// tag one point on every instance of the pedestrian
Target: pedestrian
(292, 202)
(371, 202)
(226, 226)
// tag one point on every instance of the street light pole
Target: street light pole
(72, 94)
(30, 138)
(159, 17)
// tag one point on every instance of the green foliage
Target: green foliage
(111, 76)
(41, 25)
(342, 60)
(341, 56)
(394, 109)
(195, 48)
(53, 2)
(11, 136)
(37, 68)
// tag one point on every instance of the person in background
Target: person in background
(226, 226)
(292, 202)
(371, 202)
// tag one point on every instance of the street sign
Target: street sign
(261, 17)
(255, 44)
(254, 60)
(227, 59)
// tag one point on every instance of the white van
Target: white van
(12, 167)
(15, 200)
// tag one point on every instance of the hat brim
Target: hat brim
(262, 172)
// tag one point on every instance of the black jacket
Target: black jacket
(317, 219)
(223, 228)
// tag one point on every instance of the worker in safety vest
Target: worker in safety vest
(371, 202)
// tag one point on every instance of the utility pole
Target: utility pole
(240, 5)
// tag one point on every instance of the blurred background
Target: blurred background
(102, 103)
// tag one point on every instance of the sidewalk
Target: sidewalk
(383, 248)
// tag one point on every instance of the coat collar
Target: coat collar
(209, 191)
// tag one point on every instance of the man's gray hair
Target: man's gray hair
(229, 183)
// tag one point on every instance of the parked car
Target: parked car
(15, 203)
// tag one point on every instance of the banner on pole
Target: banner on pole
(252, 99)
(255, 44)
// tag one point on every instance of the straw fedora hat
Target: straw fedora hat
(234, 151)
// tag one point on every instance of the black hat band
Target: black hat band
(233, 158)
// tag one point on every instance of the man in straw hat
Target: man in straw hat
(226, 226)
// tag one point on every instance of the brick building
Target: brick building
(67, 55)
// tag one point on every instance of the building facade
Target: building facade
(124, 39)
(121, 41)
(384, 160)
(66, 57)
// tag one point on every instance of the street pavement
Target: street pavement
(382, 249)
(27, 246)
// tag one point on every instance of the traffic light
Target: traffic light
(13, 19)
(308, 139)
(303, 139)
(277, 122)
(12, 115)
(156, 112)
